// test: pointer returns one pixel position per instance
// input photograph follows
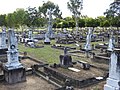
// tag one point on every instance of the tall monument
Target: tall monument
(13, 70)
(49, 33)
(113, 81)
(88, 40)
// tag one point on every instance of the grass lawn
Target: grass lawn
(46, 54)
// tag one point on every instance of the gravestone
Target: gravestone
(13, 70)
(113, 81)
(3, 45)
(49, 33)
(30, 35)
(88, 41)
(30, 40)
(65, 60)
(111, 43)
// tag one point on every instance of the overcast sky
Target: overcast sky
(91, 8)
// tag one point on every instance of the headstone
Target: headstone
(111, 43)
(13, 70)
(3, 45)
(49, 33)
(113, 81)
(30, 35)
(88, 40)
(65, 60)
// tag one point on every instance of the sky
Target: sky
(91, 8)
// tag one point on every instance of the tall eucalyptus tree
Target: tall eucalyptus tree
(75, 6)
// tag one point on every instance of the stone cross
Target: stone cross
(88, 40)
(111, 43)
(3, 39)
(113, 81)
(12, 53)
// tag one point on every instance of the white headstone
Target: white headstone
(111, 43)
(3, 39)
(88, 40)
(12, 53)
(113, 81)
(30, 35)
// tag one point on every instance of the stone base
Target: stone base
(88, 47)
(3, 51)
(14, 75)
(46, 42)
(112, 84)
(107, 87)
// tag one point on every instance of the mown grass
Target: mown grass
(46, 54)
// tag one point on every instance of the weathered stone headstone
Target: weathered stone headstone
(113, 81)
(65, 60)
(13, 70)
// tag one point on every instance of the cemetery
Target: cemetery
(41, 50)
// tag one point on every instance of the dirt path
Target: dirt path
(32, 83)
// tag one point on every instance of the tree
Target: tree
(100, 20)
(81, 23)
(32, 16)
(90, 22)
(10, 19)
(50, 6)
(70, 21)
(3, 20)
(20, 17)
(113, 12)
(75, 6)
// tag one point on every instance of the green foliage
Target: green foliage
(38, 17)
(81, 23)
(75, 6)
(64, 24)
(3, 20)
(10, 19)
(113, 13)
(90, 22)
(50, 6)
(19, 15)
